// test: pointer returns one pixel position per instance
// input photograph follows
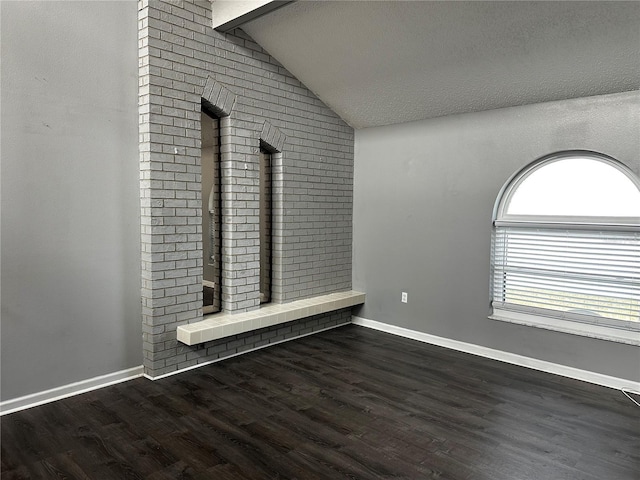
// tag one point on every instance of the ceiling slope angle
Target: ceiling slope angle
(387, 62)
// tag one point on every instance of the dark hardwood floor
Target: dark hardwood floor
(347, 403)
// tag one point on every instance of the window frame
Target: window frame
(623, 331)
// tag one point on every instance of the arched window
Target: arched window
(566, 247)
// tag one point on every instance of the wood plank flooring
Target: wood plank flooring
(349, 403)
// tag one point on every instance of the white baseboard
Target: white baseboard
(58, 393)
(533, 363)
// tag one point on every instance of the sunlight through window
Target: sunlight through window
(579, 186)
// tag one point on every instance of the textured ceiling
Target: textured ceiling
(385, 62)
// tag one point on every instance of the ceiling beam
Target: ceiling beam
(230, 14)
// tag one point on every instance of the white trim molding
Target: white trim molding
(507, 357)
(76, 388)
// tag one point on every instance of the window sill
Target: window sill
(600, 332)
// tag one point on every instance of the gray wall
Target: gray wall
(70, 207)
(423, 198)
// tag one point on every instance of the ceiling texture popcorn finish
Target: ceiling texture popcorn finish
(380, 63)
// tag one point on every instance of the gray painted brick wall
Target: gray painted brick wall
(181, 61)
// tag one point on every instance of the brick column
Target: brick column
(240, 201)
(171, 213)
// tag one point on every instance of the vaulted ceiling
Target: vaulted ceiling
(385, 62)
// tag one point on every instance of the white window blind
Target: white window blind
(584, 274)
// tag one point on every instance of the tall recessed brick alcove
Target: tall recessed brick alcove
(183, 64)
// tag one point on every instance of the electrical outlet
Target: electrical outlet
(404, 297)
